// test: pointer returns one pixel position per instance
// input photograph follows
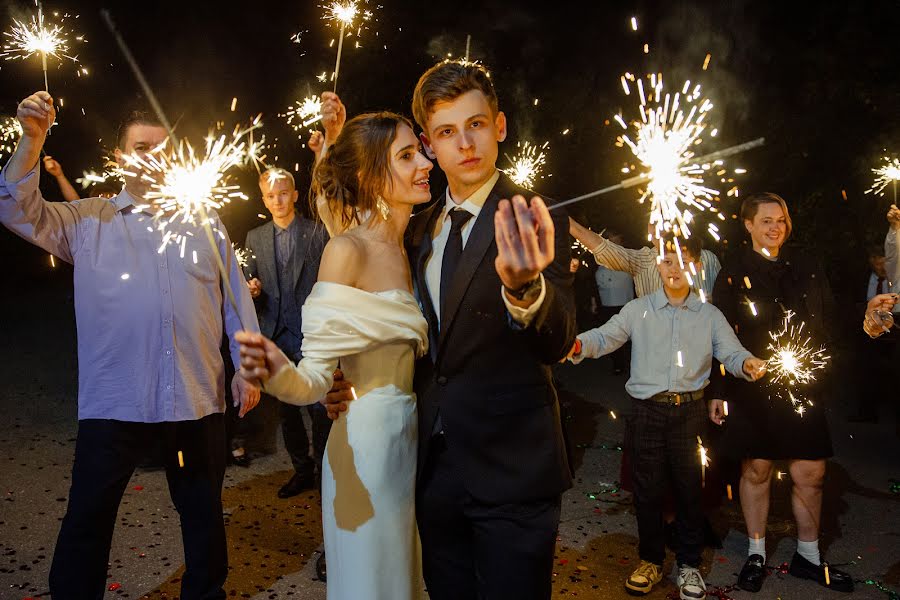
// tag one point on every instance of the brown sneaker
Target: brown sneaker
(643, 579)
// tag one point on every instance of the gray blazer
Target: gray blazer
(309, 244)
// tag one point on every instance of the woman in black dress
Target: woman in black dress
(754, 290)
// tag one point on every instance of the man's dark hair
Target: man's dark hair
(691, 245)
(446, 82)
(135, 117)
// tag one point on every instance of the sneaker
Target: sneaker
(836, 580)
(690, 583)
(753, 573)
(643, 579)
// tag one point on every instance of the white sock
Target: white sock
(809, 551)
(758, 546)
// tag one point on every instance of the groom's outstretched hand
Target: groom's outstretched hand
(525, 242)
(341, 393)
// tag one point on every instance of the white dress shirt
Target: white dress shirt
(473, 204)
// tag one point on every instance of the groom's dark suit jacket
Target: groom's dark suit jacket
(491, 379)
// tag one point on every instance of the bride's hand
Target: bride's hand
(260, 357)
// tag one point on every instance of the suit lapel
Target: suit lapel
(422, 243)
(480, 239)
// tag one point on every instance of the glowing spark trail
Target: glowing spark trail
(38, 37)
(10, 132)
(526, 166)
(303, 113)
(889, 172)
(794, 360)
(344, 14)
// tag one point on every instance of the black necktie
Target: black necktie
(879, 288)
(452, 252)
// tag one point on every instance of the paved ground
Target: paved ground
(273, 542)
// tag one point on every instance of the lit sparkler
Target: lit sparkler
(345, 14)
(111, 172)
(704, 460)
(889, 172)
(794, 359)
(10, 132)
(303, 113)
(527, 164)
(242, 256)
(25, 39)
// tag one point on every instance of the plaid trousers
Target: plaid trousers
(662, 440)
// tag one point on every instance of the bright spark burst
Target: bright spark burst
(111, 172)
(704, 460)
(303, 113)
(185, 184)
(10, 132)
(527, 164)
(889, 172)
(242, 255)
(794, 359)
(346, 14)
(663, 140)
(38, 37)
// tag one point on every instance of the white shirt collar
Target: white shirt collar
(475, 202)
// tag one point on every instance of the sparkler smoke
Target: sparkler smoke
(794, 360)
(527, 164)
(25, 39)
(190, 184)
(887, 173)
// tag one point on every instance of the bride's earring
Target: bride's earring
(383, 208)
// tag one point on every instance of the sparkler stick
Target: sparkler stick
(337, 64)
(148, 91)
(468, 42)
(644, 177)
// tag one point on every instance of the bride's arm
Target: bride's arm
(264, 362)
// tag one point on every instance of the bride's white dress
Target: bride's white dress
(369, 470)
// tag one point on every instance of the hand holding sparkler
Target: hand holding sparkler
(316, 143)
(36, 114)
(754, 368)
(334, 115)
(893, 217)
(255, 286)
(525, 243)
(260, 357)
(717, 411)
(879, 319)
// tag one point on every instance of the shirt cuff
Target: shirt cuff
(577, 358)
(23, 187)
(524, 316)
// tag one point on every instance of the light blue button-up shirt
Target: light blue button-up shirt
(672, 347)
(149, 323)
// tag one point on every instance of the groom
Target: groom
(493, 279)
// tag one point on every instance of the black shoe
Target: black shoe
(320, 568)
(242, 460)
(837, 580)
(753, 573)
(297, 484)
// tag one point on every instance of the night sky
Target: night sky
(819, 80)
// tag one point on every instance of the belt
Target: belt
(676, 398)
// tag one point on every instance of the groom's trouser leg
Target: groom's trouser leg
(513, 547)
(446, 535)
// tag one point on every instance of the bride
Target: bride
(362, 313)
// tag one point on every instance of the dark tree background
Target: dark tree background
(819, 80)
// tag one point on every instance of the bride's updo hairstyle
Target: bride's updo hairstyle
(357, 167)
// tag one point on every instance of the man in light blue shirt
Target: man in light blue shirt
(149, 326)
(674, 339)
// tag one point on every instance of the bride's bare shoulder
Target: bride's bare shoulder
(343, 259)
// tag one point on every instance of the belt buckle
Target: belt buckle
(677, 399)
